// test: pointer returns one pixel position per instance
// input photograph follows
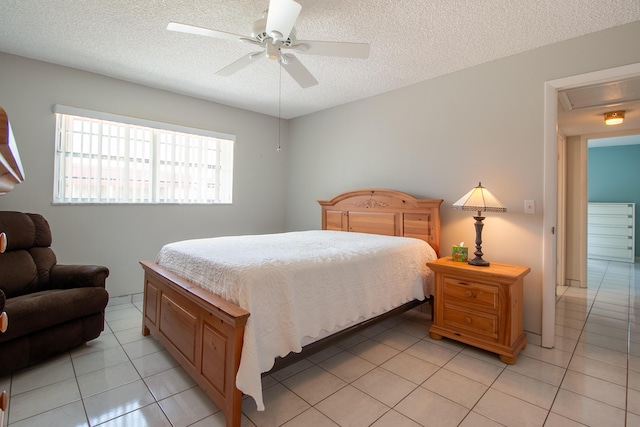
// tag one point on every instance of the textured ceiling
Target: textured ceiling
(411, 41)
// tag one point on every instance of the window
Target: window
(104, 158)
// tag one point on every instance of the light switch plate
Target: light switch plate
(529, 206)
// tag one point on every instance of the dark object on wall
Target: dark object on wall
(51, 307)
(11, 172)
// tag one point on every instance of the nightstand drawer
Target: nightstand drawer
(483, 324)
(470, 294)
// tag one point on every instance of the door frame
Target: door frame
(561, 228)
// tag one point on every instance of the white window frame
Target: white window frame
(127, 160)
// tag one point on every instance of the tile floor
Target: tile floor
(391, 374)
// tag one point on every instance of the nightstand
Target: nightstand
(480, 306)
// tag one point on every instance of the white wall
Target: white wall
(118, 236)
(437, 139)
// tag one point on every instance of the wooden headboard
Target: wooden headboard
(381, 211)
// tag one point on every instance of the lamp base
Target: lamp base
(478, 262)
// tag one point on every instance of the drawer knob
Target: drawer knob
(467, 320)
(468, 293)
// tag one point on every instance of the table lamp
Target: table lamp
(481, 200)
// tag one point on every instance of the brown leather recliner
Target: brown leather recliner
(51, 308)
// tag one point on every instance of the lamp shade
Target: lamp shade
(479, 199)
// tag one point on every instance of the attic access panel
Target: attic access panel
(601, 95)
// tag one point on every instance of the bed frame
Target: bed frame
(204, 332)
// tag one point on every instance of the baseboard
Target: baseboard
(125, 299)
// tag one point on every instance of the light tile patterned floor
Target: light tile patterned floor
(391, 374)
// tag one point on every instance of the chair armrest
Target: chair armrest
(78, 276)
(3, 299)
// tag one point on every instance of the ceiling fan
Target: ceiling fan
(274, 32)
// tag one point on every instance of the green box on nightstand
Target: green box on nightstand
(460, 253)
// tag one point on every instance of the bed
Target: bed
(211, 335)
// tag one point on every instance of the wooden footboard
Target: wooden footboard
(202, 331)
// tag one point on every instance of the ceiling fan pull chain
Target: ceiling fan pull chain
(279, 149)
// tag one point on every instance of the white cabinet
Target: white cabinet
(611, 231)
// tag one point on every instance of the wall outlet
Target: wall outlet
(529, 206)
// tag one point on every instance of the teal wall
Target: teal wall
(614, 176)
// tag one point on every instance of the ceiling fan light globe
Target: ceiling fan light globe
(272, 51)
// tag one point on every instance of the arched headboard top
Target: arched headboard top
(384, 211)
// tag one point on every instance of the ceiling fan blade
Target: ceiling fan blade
(200, 31)
(240, 64)
(281, 17)
(298, 71)
(347, 50)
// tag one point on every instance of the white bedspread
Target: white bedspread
(299, 285)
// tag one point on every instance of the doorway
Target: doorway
(612, 182)
(552, 88)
